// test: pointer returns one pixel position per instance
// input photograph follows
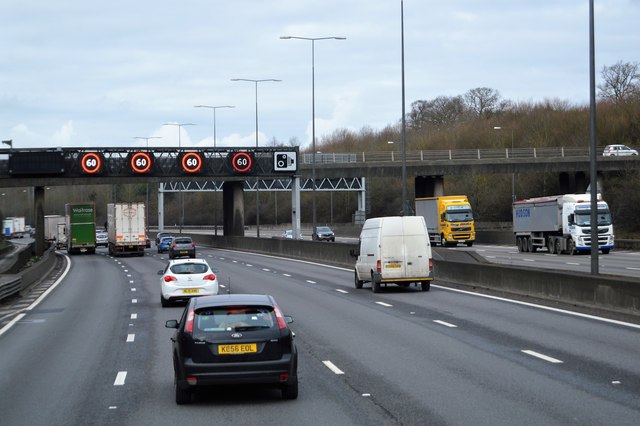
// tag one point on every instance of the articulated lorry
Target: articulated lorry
(449, 219)
(13, 227)
(80, 220)
(54, 230)
(126, 228)
(561, 223)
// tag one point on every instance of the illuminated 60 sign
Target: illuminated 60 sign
(191, 162)
(241, 162)
(140, 162)
(91, 163)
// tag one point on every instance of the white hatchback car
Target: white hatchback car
(618, 150)
(183, 279)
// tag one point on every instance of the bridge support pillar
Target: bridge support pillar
(38, 214)
(429, 186)
(233, 209)
(295, 206)
(581, 183)
(564, 183)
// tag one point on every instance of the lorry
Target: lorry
(126, 228)
(52, 224)
(80, 220)
(13, 227)
(561, 224)
(449, 219)
(394, 250)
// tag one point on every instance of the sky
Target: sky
(103, 74)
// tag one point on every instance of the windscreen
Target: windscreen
(189, 268)
(583, 217)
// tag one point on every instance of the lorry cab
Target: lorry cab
(394, 250)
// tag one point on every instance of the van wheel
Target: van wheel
(426, 285)
(357, 281)
(375, 286)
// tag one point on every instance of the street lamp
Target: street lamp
(257, 178)
(313, 121)
(214, 117)
(8, 142)
(180, 194)
(513, 175)
(146, 209)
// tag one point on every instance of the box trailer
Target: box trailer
(81, 227)
(126, 228)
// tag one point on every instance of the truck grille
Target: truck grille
(461, 229)
(600, 230)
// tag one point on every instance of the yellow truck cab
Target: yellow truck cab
(449, 219)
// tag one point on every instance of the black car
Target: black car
(233, 339)
(182, 246)
(324, 233)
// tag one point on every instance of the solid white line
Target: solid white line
(632, 268)
(542, 356)
(573, 263)
(446, 324)
(131, 338)
(529, 260)
(331, 366)
(134, 316)
(120, 378)
(342, 291)
(384, 304)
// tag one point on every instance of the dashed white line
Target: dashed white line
(311, 282)
(632, 268)
(120, 378)
(446, 324)
(134, 316)
(384, 304)
(266, 269)
(134, 300)
(573, 263)
(131, 338)
(342, 291)
(331, 366)
(542, 356)
(248, 264)
(133, 289)
(529, 260)
(286, 275)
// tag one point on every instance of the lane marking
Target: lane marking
(287, 275)
(130, 281)
(120, 378)
(134, 300)
(248, 264)
(266, 269)
(542, 356)
(342, 291)
(134, 316)
(529, 260)
(311, 282)
(446, 324)
(632, 268)
(331, 366)
(131, 338)
(490, 257)
(384, 304)
(573, 263)
(133, 289)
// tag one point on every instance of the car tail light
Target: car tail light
(174, 245)
(284, 377)
(378, 266)
(193, 244)
(282, 324)
(192, 380)
(169, 278)
(188, 327)
(430, 265)
(210, 277)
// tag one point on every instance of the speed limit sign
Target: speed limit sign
(241, 162)
(140, 162)
(191, 162)
(91, 163)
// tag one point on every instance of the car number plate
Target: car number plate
(183, 252)
(190, 291)
(241, 348)
(392, 265)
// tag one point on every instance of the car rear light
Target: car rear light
(193, 244)
(174, 245)
(210, 277)
(169, 278)
(188, 327)
(430, 265)
(378, 266)
(284, 377)
(192, 380)
(282, 324)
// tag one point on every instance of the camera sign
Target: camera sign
(285, 161)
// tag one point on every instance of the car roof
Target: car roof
(233, 299)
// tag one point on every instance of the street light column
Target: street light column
(146, 207)
(180, 193)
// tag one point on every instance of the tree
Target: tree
(440, 112)
(484, 102)
(621, 81)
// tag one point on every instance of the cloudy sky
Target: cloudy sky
(85, 73)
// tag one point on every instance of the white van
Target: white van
(394, 249)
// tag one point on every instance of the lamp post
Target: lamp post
(180, 194)
(215, 207)
(146, 138)
(214, 108)
(257, 179)
(313, 122)
(513, 175)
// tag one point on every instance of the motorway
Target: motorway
(94, 350)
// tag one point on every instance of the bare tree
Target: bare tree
(620, 81)
(439, 112)
(483, 101)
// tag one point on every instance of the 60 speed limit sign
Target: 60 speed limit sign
(191, 162)
(91, 163)
(241, 162)
(141, 162)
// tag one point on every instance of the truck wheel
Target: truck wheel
(426, 285)
(469, 243)
(357, 281)
(558, 247)
(550, 246)
(519, 244)
(605, 251)
(443, 242)
(530, 245)
(571, 248)
(375, 285)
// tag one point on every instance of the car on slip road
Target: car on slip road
(183, 279)
(233, 339)
(182, 246)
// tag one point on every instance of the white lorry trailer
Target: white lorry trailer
(126, 228)
(13, 227)
(561, 223)
(52, 224)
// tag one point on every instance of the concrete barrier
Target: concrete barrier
(613, 293)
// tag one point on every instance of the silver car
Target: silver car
(618, 150)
